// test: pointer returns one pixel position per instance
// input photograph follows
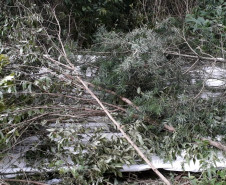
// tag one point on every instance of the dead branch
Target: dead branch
(59, 63)
(194, 56)
(191, 67)
(126, 100)
(61, 43)
(124, 134)
(167, 127)
(27, 121)
(165, 52)
(215, 144)
(72, 97)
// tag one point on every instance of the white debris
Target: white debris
(44, 70)
(177, 165)
(214, 72)
(54, 181)
(88, 72)
(86, 58)
(212, 76)
(215, 83)
(207, 95)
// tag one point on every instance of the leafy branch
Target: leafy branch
(105, 109)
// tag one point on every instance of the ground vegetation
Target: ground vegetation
(150, 80)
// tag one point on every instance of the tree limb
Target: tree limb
(194, 56)
(109, 115)
(124, 134)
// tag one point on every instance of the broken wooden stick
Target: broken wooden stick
(123, 133)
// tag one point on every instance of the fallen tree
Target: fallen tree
(144, 90)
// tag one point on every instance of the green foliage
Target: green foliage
(138, 70)
(111, 13)
(115, 15)
(4, 60)
(7, 82)
(30, 108)
(101, 155)
(19, 55)
(142, 63)
(211, 176)
(207, 22)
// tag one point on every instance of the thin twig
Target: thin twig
(26, 121)
(191, 66)
(59, 63)
(126, 100)
(184, 38)
(61, 43)
(72, 97)
(197, 57)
